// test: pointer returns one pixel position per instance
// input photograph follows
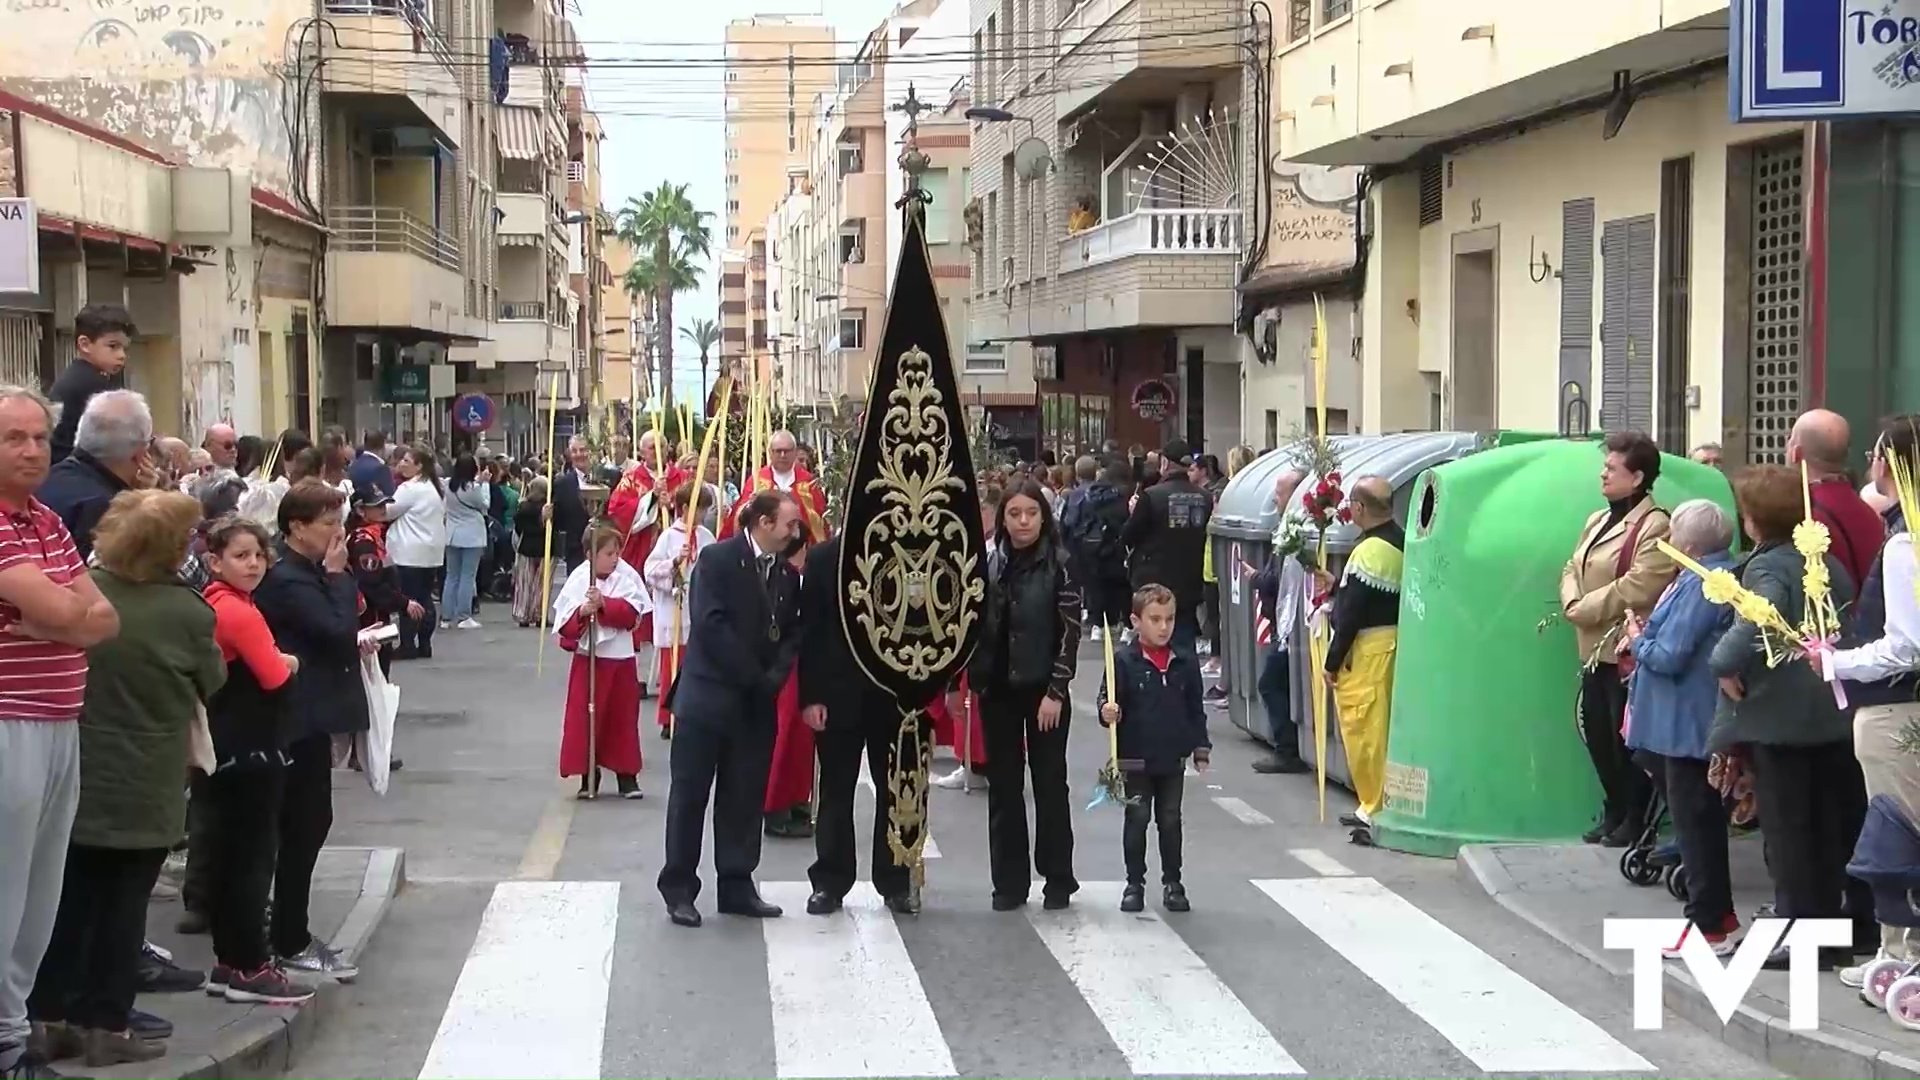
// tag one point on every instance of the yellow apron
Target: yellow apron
(1363, 695)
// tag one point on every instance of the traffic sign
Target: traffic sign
(473, 413)
(1823, 59)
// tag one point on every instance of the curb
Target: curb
(1753, 1033)
(264, 1041)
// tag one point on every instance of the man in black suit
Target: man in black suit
(851, 715)
(569, 510)
(743, 638)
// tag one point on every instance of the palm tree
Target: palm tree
(665, 223)
(702, 335)
(642, 286)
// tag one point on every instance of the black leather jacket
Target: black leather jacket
(1030, 634)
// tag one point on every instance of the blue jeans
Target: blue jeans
(456, 597)
(1276, 693)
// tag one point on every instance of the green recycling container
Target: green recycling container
(1484, 743)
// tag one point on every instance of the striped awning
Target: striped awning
(519, 240)
(518, 133)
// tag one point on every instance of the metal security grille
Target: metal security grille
(1432, 196)
(19, 351)
(1775, 368)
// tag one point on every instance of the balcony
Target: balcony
(524, 334)
(1395, 78)
(1153, 232)
(387, 268)
(1136, 47)
(361, 62)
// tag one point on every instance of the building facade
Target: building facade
(1562, 181)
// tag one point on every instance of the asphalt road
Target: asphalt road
(530, 942)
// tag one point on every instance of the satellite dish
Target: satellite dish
(1031, 159)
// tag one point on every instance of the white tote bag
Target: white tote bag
(375, 745)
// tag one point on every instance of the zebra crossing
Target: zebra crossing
(846, 997)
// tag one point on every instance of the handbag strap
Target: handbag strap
(1625, 560)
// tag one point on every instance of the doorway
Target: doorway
(1475, 389)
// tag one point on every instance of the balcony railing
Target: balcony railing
(523, 311)
(414, 12)
(1154, 232)
(391, 229)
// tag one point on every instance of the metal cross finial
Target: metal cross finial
(913, 162)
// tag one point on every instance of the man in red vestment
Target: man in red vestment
(638, 507)
(789, 802)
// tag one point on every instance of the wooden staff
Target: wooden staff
(1317, 645)
(546, 552)
(593, 720)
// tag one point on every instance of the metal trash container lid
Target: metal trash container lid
(1246, 510)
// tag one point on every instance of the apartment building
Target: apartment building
(588, 227)
(625, 379)
(1567, 229)
(1106, 184)
(775, 66)
(733, 315)
(196, 211)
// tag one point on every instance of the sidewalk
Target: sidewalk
(352, 887)
(1566, 891)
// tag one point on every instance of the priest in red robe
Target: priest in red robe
(789, 803)
(639, 508)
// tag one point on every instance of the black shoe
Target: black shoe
(1353, 821)
(159, 975)
(1625, 834)
(822, 903)
(684, 914)
(629, 785)
(1008, 903)
(1174, 898)
(903, 904)
(751, 907)
(1055, 901)
(1133, 899)
(1829, 959)
(191, 922)
(1281, 765)
(1216, 693)
(396, 765)
(28, 1067)
(1601, 831)
(425, 652)
(148, 1026)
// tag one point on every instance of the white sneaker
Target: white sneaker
(1095, 634)
(445, 625)
(1856, 976)
(957, 780)
(469, 623)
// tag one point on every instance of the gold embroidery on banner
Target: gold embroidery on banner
(913, 557)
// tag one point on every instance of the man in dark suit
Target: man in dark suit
(851, 715)
(569, 510)
(743, 638)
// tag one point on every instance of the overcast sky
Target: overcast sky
(666, 124)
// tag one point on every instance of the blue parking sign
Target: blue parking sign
(473, 413)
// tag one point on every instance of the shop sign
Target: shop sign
(473, 413)
(1153, 400)
(1823, 59)
(19, 247)
(406, 384)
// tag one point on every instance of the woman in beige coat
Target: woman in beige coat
(1616, 568)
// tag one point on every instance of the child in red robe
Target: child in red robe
(606, 597)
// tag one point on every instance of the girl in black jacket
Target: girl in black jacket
(1022, 669)
(529, 553)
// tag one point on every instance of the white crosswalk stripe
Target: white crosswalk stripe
(1162, 1007)
(847, 997)
(1500, 1021)
(532, 999)
(836, 981)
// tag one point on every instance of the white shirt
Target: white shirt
(418, 535)
(1289, 599)
(1897, 652)
(659, 574)
(783, 482)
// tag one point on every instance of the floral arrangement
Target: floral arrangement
(1721, 587)
(1321, 506)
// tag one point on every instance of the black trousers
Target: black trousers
(1603, 704)
(727, 760)
(835, 841)
(1813, 801)
(1016, 746)
(245, 803)
(1156, 799)
(306, 816)
(196, 893)
(1700, 825)
(91, 970)
(1112, 600)
(416, 584)
(1276, 693)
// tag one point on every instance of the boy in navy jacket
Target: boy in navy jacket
(1162, 723)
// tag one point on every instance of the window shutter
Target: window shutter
(1640, 317)
(1626, 326)
(1576, 298)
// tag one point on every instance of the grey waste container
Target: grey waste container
(1244, 525)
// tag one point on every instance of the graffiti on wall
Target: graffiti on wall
(1313, 214)
(194, 80)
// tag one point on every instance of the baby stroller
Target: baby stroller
(1649, 859)
(1887, 858)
